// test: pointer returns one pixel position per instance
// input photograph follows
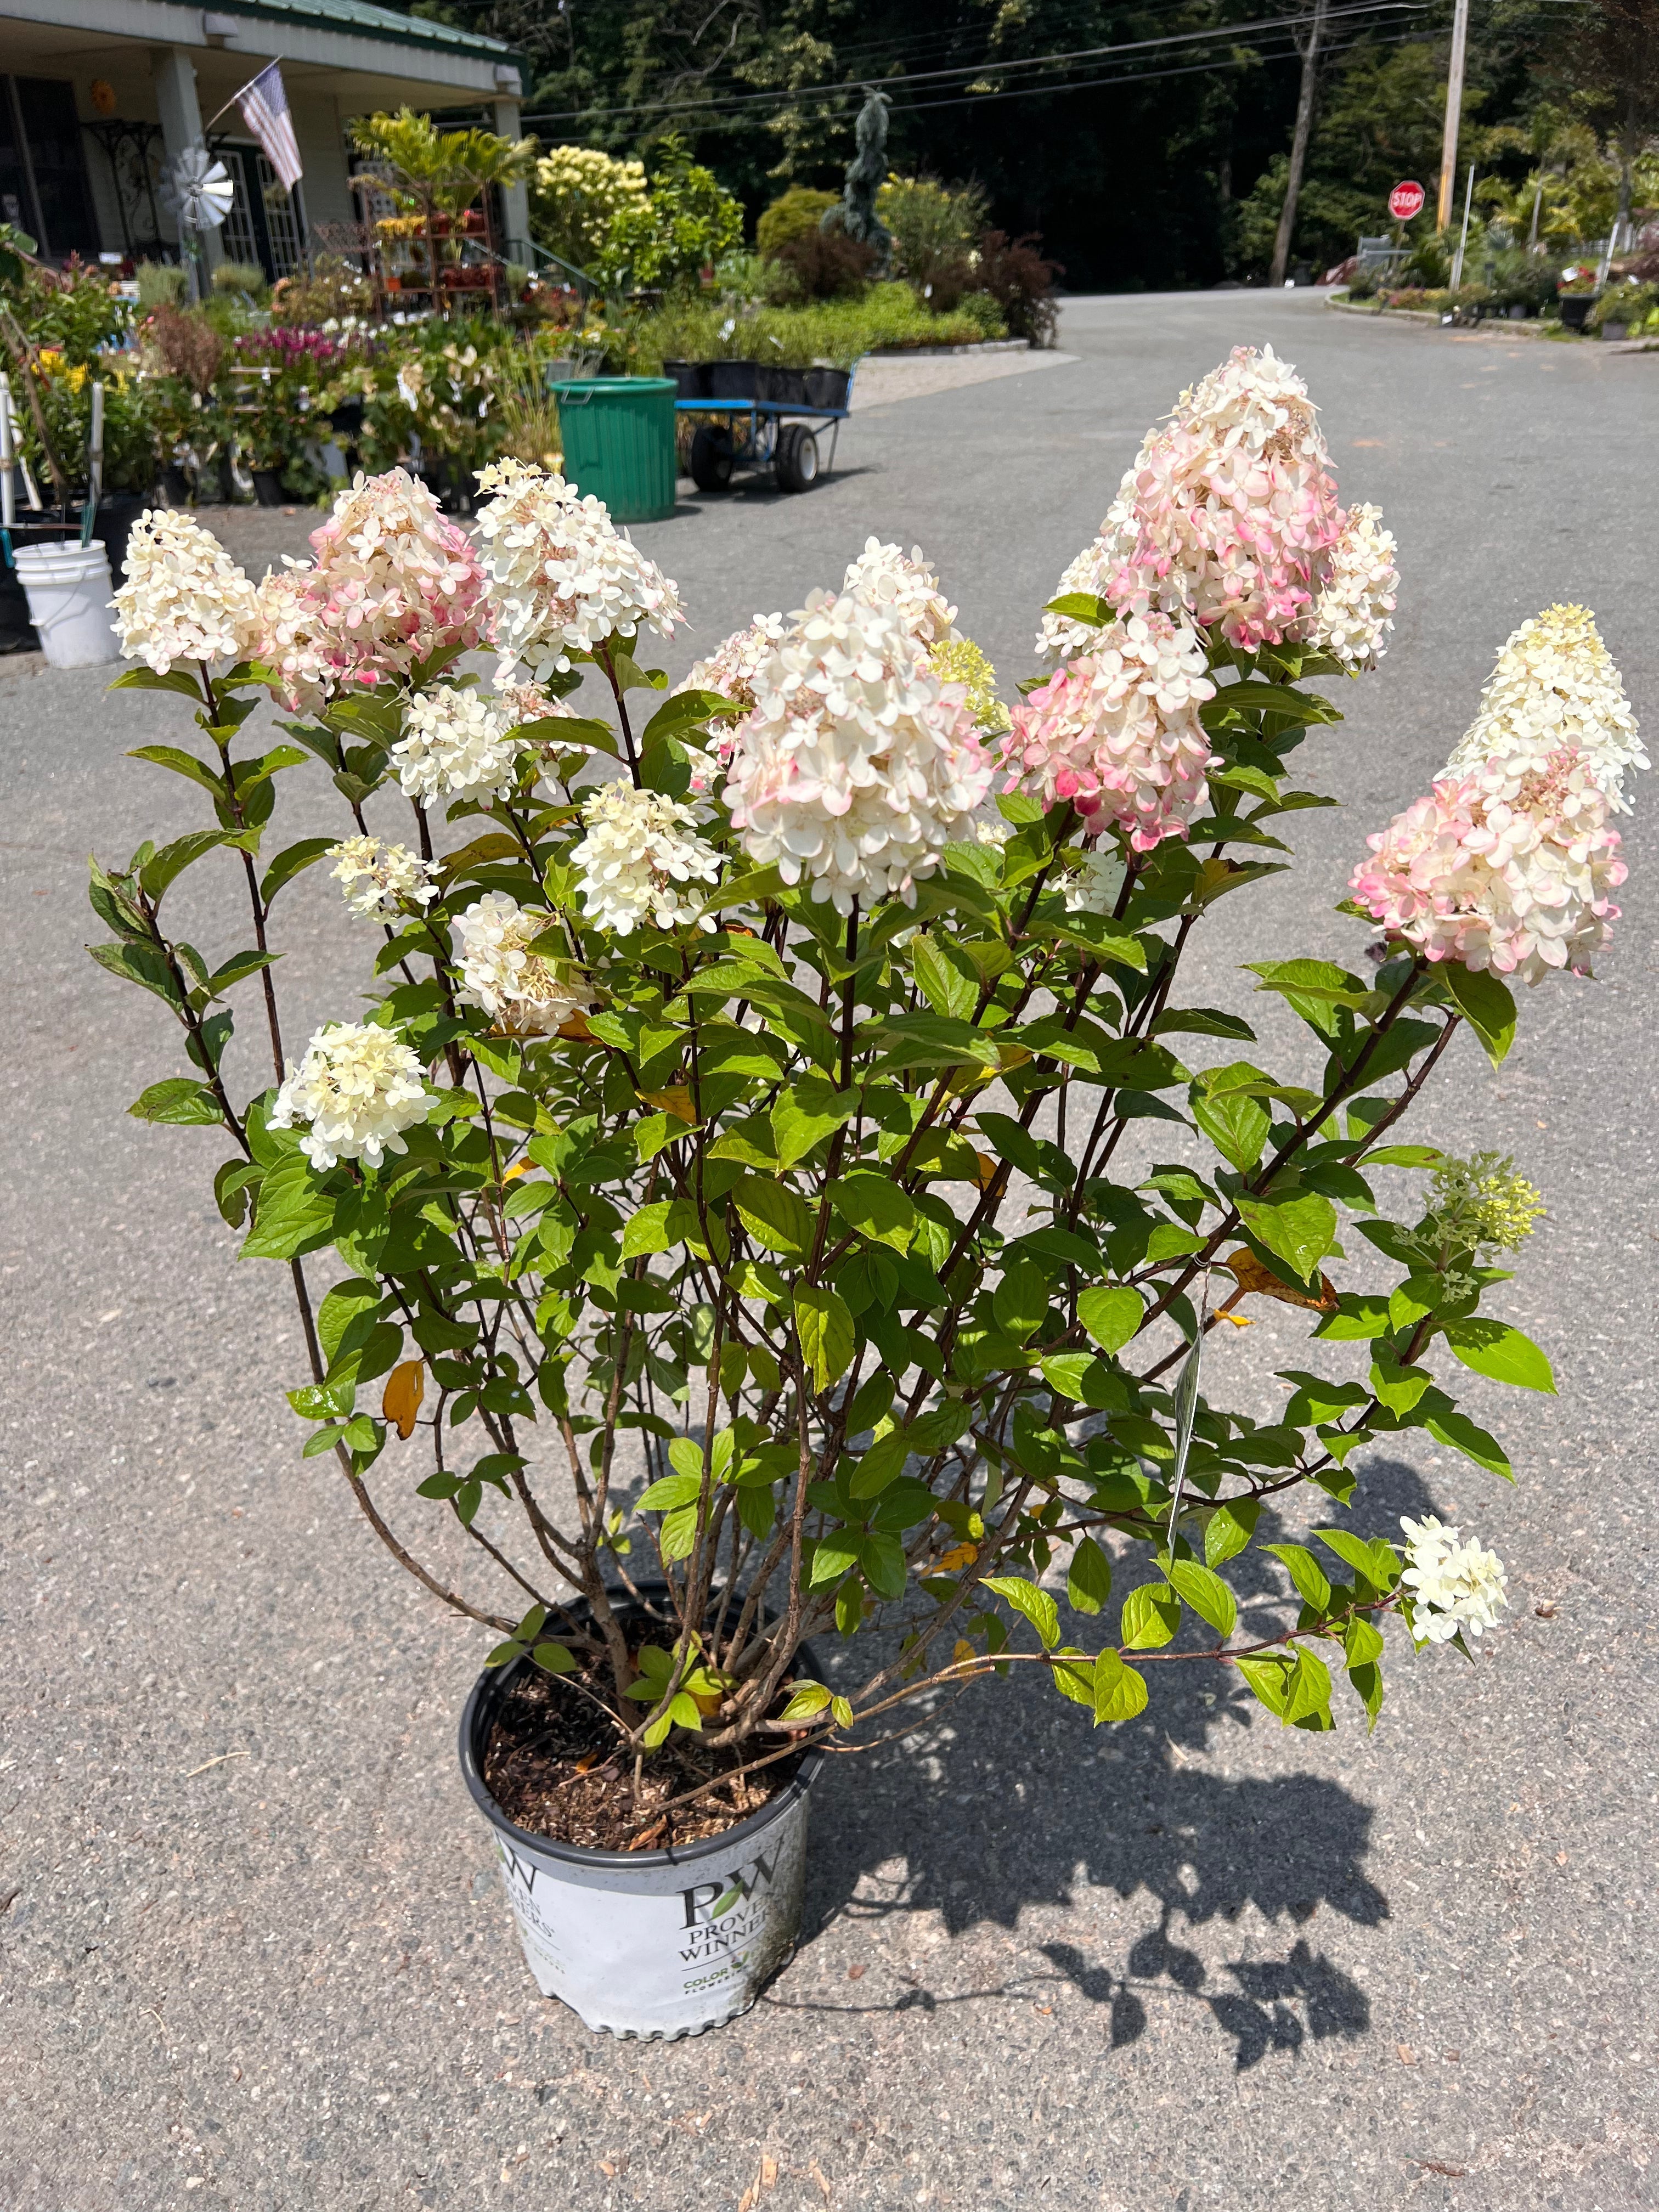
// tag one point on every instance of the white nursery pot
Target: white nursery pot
(69, 593)
(660, 1943)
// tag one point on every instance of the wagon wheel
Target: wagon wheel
(796, 466)
(712, 458)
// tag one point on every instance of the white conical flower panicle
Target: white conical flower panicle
(520, 990)
(185, 598)
(1453, 1585)
(1555, 684)
(456, 744)
(380, 881)
(358, 1088)
(638, 865)
(562, 578)
(857, 765)
(906, 584)
(1353, 613)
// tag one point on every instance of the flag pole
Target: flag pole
(230, 103)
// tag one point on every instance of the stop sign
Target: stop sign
(1406, 200)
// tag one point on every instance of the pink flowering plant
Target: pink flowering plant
(774, 1188)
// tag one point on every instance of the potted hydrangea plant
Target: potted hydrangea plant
(775, 1227)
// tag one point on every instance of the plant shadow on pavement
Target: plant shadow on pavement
(1123, 1808)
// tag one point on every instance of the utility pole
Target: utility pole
(1459, 41)
(1304, 108)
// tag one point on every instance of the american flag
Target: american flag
(264, 110)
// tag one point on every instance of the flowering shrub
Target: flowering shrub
(751, 1184)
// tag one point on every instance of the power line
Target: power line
(1233, 33)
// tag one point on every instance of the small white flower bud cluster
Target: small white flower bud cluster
(358, 1087)
(1454, 1585)
(637, 864)
(456, 744)
(378, 881)
(517, 988)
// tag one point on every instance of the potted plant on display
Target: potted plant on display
(1575, 296)
(773, 1242)
(435, 178)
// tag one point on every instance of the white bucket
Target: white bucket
(656, 1944)
(69, 593)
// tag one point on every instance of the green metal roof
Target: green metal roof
(372, 22)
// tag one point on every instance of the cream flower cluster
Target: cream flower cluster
(1352, 614)
(732, 667)
(1118, 733)
(378, 881)
(528, 702)
(185, 598)
(1499, 871)
(1094, 887)
(392, 584)
(293, 643)
(1063, 637)
(856, 766)
(562, 577)
(637, 864)
(1454, 1585)
(907, 584)
(359, 1088)
(455, 745)
(519, 990)
(1555, 683)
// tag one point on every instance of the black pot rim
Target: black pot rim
(486, 1694)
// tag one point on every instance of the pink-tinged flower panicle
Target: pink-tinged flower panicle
(393, 584)
(1233, 505)
(1227, 519)
(1500, 872)
(1118, 733)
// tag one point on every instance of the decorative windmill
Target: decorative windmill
(198, 189)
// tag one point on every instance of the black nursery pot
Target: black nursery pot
(653, 1944)
(734, 379)
(828, 387)
(691, 378)
(268, 487)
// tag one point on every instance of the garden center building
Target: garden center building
(97, 97)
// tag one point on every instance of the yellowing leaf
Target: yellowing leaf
(677, 1102)
(1254, 1279)
(400, 1401)
(518, 1167)
(574, 1027)
(964, 1653)
(959, 1555)
(985, 1168)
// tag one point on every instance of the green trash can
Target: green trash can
(618, 437)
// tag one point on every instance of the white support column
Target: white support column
(515, 199)
(180, 117)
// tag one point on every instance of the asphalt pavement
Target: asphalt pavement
(253, 1953)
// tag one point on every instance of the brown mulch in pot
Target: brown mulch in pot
(550, 1764)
